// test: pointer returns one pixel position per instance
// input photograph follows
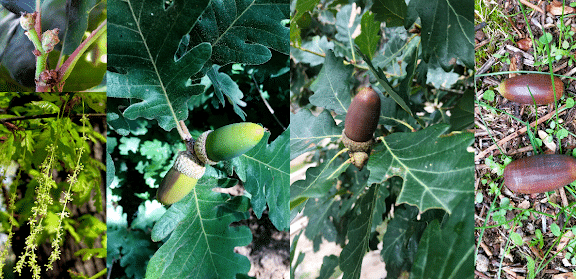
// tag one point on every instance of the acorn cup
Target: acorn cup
(181, 178)
(359, 126)
(224, 143)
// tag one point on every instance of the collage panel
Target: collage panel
(381, 155)
(53, 45)
(52, 170)
(525, 139)
(371, 173)
(198, 177)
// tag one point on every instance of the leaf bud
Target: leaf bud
(27, 21)
(50, 39)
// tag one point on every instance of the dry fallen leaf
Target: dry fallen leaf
(547, 140)
(568, 275)
(564, 241)
(513, 66)
(555, 8)
(524, 44)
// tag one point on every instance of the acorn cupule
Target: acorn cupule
(539, 174)
(181, 178)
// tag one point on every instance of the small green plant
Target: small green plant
(538, 239)
(49, 139)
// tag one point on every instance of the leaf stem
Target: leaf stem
(266, 102)
(66, 68)
(324, 55)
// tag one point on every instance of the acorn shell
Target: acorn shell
(363, 115)
(539, 174)
(516, 89)
(228, 142)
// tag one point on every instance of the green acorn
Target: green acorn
(227, 142)
(181, 178)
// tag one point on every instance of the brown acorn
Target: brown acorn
(359, 126)
(518, 89)
(539, 174)
(363, 115)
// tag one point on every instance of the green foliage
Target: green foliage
(393, 13)
(265, 168)
(425, 179)
(420, 148)
(219, 63)
(146, 64)
(446, 31)
(50, 138)
(203, 237)
(450, 246)
(368, 40)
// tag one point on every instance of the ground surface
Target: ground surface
(509, 244)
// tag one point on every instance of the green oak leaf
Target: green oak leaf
(266, 172)
(308, 130)
(346, 26)
(462, 116)
(359, 234)
(201, 240)
(392, 12)
(241, 31)
(436, 168)
(329, 264)
(302, 7)
(400, 242)
(447, 31)
(333, 85)
(77, 14)
(369, 39)
(318, 180)
(225, 86)
(142, 40)
(321, 213)
(447, 250)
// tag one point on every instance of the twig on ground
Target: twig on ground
(515, 134)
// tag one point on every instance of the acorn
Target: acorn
(360, 124)
(227, 142)
(181, 178)
(518, 89)
(539, 174)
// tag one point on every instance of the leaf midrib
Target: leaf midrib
(233, 22)
(152, 61)
(409, 172)
(204, 232)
